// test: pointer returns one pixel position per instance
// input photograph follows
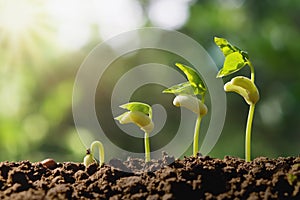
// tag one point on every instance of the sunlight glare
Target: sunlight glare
(169, 13)
(15, 16)
(72, 20)
(116, 16)
(23, 25)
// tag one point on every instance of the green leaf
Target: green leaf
(233, 62)
(225, 46)
(235, 59)
(138, 106)
(194, 79)
(181, 88)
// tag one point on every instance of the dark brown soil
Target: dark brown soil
(191, 178)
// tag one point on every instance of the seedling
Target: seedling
(190, 95)
(236, 59)
(141, 115)
(90, 154)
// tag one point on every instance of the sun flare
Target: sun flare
(22, 27)
(16, 17)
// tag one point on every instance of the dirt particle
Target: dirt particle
(49, 163)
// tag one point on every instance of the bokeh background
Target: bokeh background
(43, 43)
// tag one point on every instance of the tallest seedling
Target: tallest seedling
(236, 59)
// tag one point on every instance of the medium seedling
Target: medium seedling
(190, 95)
(90, 154)
(236, 59)
(141, 115)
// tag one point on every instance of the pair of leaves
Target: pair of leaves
(235, 59)
(139, 114)
(194, 86)
(138, 106)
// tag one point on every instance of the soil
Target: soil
(190, 178)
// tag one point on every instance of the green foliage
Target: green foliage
(181, 88)
(235, 59)
(233, 62)
(228, 48)
(194, 79)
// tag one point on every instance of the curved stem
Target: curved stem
(147, 147)
(99, 145)
(196, 136)
(252, 71)
(248, 133)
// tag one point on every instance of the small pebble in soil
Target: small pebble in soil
(49, 163)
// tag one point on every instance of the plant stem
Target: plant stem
(99, 145)
(147, 147)
(248, 133)
(250, 120)
(252, 71)
(196, 136)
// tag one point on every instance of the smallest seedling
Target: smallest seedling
(141, 115)
(90, 154)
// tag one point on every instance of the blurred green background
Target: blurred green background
(43, 43)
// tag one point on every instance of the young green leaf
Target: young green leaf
(233, 62)
(225, 46)
(137, 106)
(181, 88)
(235, 59)
(194, 79)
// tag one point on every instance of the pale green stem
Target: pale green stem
(249, 121)
(196, 136)
(197, 131)
(99, 145)
(252, 71)
(147, 147)
(248, 133)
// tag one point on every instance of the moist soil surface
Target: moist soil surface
(189, 178)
